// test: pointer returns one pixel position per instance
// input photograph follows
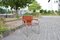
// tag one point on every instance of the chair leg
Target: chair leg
(38, 28)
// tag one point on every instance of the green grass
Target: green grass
(3, 26)
(10, 19)
(3, 29)
(27, 14)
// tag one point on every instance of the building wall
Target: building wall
(59, 5)
(7, 16)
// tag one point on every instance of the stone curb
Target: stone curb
(12, 20)
(8, 32)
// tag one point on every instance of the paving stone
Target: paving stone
(49, 29)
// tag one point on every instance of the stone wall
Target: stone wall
(7, 15)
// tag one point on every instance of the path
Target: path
(49, 29)
(14, 24)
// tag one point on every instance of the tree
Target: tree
(16, 3)
(45, 11)
(2, 11)
(34, 6)
(56, 11)
(52, 11)
(41, 11)
(49, 11)
(48, 0)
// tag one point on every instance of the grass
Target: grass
(3, 26)
(9, 19)
(3, 29)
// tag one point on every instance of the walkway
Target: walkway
(48, 29)
(14, 24)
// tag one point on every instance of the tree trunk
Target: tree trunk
(34, 10)
(17, 15)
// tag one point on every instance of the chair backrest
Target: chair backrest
(27, 19)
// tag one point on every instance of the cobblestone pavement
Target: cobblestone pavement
(48, 29)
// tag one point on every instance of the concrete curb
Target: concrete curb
(8, 32)
(12, 20)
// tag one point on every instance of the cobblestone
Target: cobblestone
(49, 29)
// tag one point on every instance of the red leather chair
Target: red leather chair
(27, 20)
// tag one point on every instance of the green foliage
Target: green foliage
(27, 14)
(34, 6)
(9, 11)
(16, 3)
(52, 11)
(45, 11)
(17, 16)
(58, 12)
(2, 11)
(36, 14)
(41, 11)
(3, 27)
(49, 11)
(2, 21)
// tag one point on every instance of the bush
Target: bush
(36, 14)
(2, 22)
(2, 11)
(17, 16)
(41, 11)
(27, 14)
(3, 27)
(58, 12)
(9, 12)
